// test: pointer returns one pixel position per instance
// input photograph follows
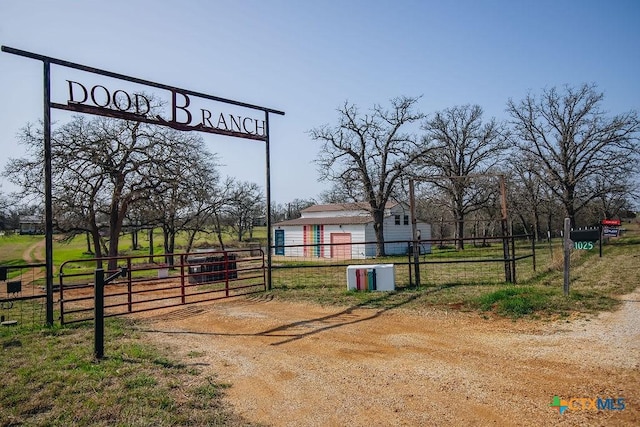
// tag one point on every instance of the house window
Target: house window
(397, 219)
(406, 220)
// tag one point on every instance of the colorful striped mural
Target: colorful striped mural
(313, 235)
(366, 279)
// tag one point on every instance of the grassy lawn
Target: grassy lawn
(13, 246)
(595, 284)
(50, 378)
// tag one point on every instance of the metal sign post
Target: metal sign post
(567, 253)
(98, 308)
(98, 99)
(414, 233)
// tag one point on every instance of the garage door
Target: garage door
(341, 245)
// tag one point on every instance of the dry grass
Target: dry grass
(51, 378)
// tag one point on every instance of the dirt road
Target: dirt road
(295, 364)
(34, 253)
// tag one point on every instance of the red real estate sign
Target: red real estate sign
(614, 222)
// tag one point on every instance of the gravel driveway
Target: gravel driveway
(295, 364)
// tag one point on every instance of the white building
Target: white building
(341, 231)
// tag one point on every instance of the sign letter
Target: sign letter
(223, 122)
(126, 100)
(175, 106)
(260, 129)
(106, 92)
(206, 118)
(147, 104)
(85, 94)
(244, 125)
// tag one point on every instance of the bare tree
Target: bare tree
(100, 168)
(335, 194)
(183, 199)
(4, 212)
(574, 142)
(462, 146)
(365, 155)
(616, 200)
(244, 206)
(527, 194)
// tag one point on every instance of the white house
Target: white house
(345, 231)
(31, 224)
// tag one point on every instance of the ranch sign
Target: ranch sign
(188, 110)
(122, 104)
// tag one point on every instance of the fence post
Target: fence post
(183, 260)
(98, 308)
(533, 251)
(409, 263)
(414, 232)
(513, 257)
(505, 252)
(567, 253)
(98, 314)
(129, 286)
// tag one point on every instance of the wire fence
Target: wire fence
(309, 268)
(438, 262)
(139, 284)
(22, 295)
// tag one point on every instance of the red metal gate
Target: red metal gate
(160, 281)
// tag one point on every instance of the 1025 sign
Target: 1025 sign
(586, 246)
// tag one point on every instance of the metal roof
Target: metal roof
(334, 220)
(359, 206)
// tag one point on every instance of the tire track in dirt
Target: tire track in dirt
(35, 254)
(293, 364)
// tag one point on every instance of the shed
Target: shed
(345, 231)
(31, 224)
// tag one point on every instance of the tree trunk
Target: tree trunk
(568, 204)
(190, 240)
(219, 231)
(116, 216)
(95, 234)
(134, 240)
(537, 227)
(151, 245)
(378, 227)
(88, 235)
(525, 228)
(459, 232)
(169, 242)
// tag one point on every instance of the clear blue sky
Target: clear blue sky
(308, 57)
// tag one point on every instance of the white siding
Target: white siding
(357, 232)
(333, 214)
(294, 234)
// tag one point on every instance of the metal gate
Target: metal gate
(161, 281)
(22, 296)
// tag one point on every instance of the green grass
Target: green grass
(595, 283)
(515, 301)
(51, 378)
(594, 286)
(12, 247)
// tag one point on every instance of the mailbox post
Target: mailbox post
(98, 308)
(581, 240)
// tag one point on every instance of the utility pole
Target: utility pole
(508, 276)
(414, 229)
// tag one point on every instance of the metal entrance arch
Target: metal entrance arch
(122, 105)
